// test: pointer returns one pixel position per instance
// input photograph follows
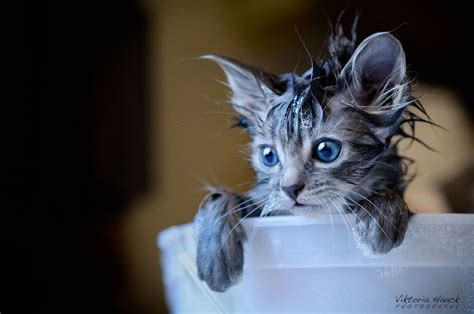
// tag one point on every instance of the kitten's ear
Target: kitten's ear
(377, 65)
(253, 90)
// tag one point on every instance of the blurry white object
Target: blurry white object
(295, 264)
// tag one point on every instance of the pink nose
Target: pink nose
(293, 190)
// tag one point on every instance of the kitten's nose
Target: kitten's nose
(293, 190)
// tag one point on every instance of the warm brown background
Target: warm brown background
(132, 124)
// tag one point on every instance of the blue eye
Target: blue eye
(269, 156)
(327, 150)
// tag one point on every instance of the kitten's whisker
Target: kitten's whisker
(340, 198)
(369, 201)
(377, 208)
(325, 205)
(386, 219)
(348, 230)
(252, 236)
(371, 216)
(250, 199)
(363, 187)
(254, 230)
(238, 223)
(384, 163)
(246, 183)
(237, 209)
(297, 64)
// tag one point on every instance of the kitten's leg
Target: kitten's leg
(220, 237)
(382, 224)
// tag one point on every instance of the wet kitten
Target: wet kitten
(325, 140)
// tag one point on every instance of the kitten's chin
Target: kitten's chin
(312, 210)
(307, 210)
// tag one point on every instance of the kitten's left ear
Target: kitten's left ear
(253, 90)
(377, 65)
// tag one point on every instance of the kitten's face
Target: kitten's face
(317, 137)
(316, 167)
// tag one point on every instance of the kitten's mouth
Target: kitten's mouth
(305, 206)
(309, 210)
(298, 205)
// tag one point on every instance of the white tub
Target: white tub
(295, 264)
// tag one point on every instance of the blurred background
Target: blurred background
(131, 125)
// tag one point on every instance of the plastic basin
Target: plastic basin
(296, 264)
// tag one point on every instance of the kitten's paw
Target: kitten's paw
(381, 224)
(373, 240)
(220, 256)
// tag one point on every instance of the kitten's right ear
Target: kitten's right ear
(254, 90)
(377, 65)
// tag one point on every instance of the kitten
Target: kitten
(325, 140)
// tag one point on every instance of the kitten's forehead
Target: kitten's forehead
(295, 115)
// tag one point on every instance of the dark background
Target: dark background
(85, 132)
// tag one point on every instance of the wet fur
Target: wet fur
(359, 96)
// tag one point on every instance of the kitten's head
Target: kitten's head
(318, 136)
